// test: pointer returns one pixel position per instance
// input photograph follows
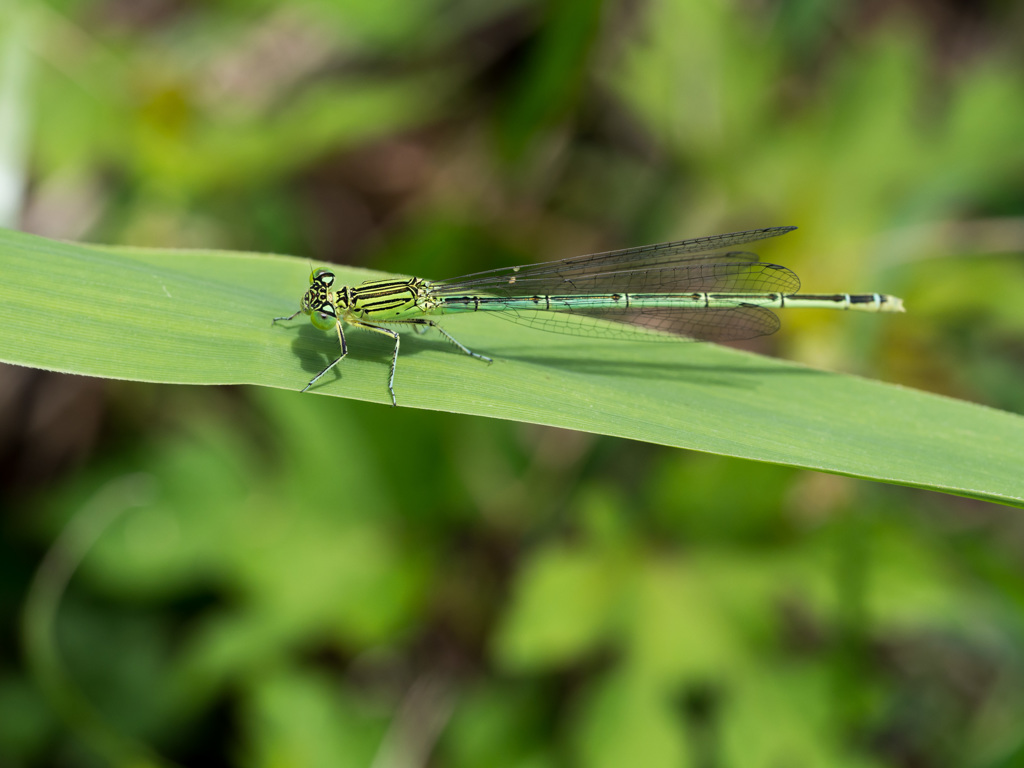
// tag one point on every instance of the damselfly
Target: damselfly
(689, 290)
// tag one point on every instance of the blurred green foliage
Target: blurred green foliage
(284, 580)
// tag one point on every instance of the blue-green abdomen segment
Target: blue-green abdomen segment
(873, 302)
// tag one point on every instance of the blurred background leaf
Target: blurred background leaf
(329, 582)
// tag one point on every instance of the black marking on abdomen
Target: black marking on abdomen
(836, 297)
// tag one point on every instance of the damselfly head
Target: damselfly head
(318, 295)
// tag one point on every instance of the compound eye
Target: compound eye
(323, 277)
(324, 318)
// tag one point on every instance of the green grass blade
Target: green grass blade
(201, 317)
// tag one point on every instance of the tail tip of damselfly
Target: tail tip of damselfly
(896, 304)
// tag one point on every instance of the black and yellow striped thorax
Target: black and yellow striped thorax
(384, 300)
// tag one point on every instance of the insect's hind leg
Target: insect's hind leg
(422, 321)
(417, 324)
